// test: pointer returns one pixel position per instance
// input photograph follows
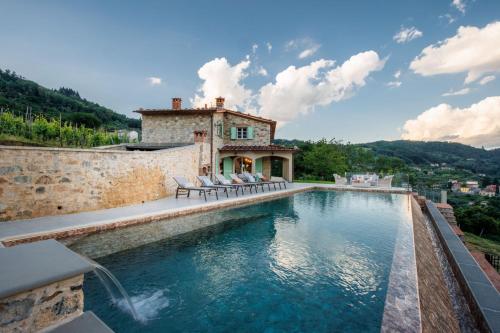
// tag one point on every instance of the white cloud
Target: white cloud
(308, 52)
(459, 5)
(154, 81)
(394, 84)
(472, 50)
(486, 80)
(254, 48)
(307, 45)
(269, 47)
(397, 74)
(262, 71)
(477, 125)
(407, 34)
(297, 91)
(222, 79)
(448, 17)
(460, 92)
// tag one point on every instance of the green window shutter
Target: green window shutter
(228, 167)
(233, 133)
(250, 132)
(258, 165)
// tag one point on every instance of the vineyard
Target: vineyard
(53, 132)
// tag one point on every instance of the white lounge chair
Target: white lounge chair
(339, 180)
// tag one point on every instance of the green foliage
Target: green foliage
(482, 244)
(324, 159)
(55, 133)
(17, 93)
(320, 160)
(478, 215)
(454, 155)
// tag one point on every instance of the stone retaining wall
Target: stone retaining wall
(36, 309)
(38, 182)
(436, 308)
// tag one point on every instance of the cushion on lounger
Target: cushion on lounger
(249, 177)
(223, 180)
(261, 176)
(183, 182)
(206, 181)
(236, 180)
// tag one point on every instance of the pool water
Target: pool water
(314, 262)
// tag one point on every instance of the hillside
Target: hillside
(418, 153)
(18, 93)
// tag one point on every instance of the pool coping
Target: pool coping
(106, 224)
(38, 264)
(481, 295)
(402, 304)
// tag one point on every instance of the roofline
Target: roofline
(208, 111)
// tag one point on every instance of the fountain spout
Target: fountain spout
(109, 280)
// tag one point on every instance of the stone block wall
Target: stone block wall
(261, 132)
(50, 181)
(173, 129)
(36, 309)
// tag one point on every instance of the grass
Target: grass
(313, 181)
(13, 140)
(482, 244)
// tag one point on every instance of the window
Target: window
(242, 133)
(219, 129)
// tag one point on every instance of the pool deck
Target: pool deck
(69, 225)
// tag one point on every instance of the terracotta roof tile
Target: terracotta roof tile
(257, 148)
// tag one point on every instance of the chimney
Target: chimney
(176, 103)
(200, 136)
(219, 102)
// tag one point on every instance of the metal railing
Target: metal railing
(494, 260)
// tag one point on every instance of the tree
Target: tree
(324, 159)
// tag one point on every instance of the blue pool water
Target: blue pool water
(313, 262)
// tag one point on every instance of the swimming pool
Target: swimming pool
(315, 261)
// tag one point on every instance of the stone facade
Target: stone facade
(261, 132)
(50, 181)
(173, 129)
(36, 309)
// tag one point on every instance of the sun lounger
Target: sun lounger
(185, 187)
(277, 180)
(223, 181)
(252, 179)
(206, 182)
(339, 180)
(386, 181)
(238, 180)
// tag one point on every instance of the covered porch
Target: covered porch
(269, 160)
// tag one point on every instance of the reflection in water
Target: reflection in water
(317, 261)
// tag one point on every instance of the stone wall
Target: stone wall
(173, 129)
(436, 308)
(36, 309)
(50, 181)
(261, 132)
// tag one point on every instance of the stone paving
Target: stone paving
(69, 225)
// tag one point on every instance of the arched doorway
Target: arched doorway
(242, 164)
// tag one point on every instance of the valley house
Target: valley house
(237, 142)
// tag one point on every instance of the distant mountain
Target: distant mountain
(18, 93)
(457, 155)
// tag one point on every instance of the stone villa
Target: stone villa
(237, 141)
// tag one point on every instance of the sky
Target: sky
(358, 71)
